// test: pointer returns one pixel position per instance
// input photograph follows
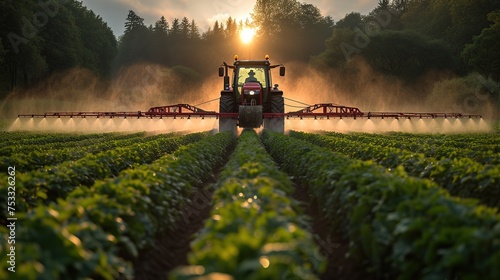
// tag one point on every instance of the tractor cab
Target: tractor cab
(249, 92)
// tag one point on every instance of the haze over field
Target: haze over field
(131, 55)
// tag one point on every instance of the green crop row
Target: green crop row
(436, 146)
(463, 177)
(466, 140)
(61, 141)
(47, 185)
(407, 228)
(32, 159)
(97, 232)
(473, 147)
(7, 138)
(11, 143)
(255, 230)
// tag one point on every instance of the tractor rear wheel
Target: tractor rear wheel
(277, 104)
(227, 105)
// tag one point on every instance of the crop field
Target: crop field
(322, 205)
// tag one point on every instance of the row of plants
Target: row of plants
(256, 230)
(50, 183)
(458, 140)
(96, 232)
(12, 141)
(462, 177)
(62, 143)
(472, 146)
(8, 137)
(32, 158)
(403, 227)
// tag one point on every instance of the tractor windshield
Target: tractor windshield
(251, 74)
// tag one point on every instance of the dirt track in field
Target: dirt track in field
(332, 245)
(172, 247)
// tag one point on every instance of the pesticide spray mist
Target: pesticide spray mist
(362, 87)
(136, 88)
(141, 86)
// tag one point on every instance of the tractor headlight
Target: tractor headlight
(252, 92)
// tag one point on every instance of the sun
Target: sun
(247, 34)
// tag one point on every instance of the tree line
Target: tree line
(402, 38)
(179, 42)
(291, 30)
(38, 38)
(405, 38)
(443, 54)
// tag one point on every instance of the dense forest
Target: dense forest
(401, 39)
(39, 38)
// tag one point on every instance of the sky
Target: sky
(205, 13)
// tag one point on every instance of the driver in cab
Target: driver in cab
(251, 77)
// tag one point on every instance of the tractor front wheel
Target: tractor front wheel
(227, 105)
(277, 104)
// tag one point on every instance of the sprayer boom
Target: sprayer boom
(249, 99)
(317, 111)
(329, 110)
(174, 111)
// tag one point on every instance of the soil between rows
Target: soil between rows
(172, 247)
(333, 246)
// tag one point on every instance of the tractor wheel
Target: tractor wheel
(227, 105)
(277, 106)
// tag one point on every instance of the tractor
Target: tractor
(249, 99)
